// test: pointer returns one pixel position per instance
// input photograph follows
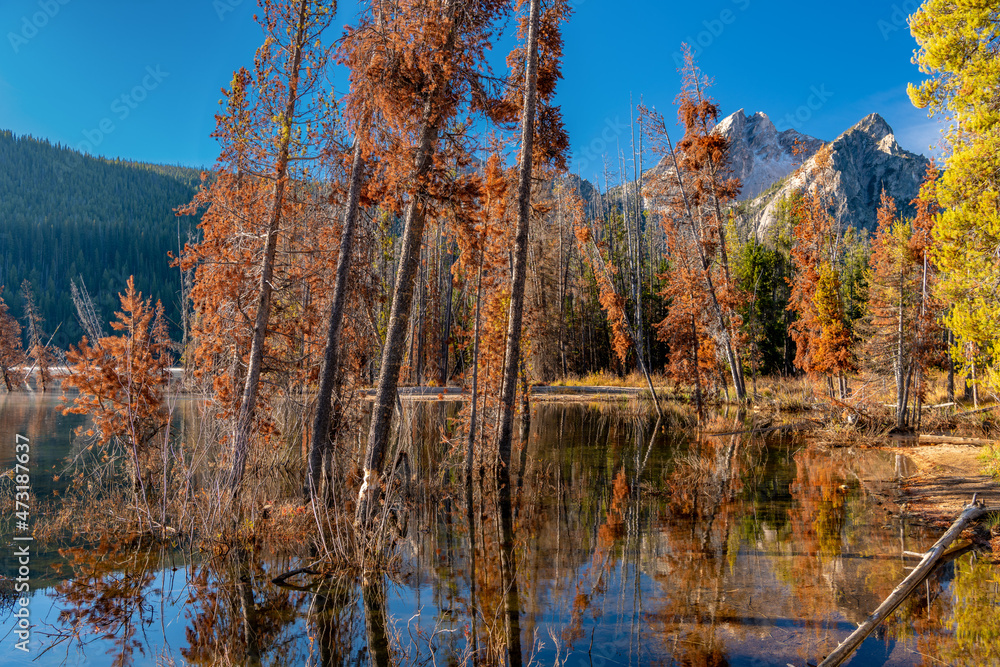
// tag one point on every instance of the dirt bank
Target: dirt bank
(945, 480)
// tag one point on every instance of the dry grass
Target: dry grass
(634, 379)
(989, 457)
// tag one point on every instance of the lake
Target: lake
(620, 544)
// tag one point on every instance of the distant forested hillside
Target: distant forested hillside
(64, 215)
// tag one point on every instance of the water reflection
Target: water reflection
(615, 540)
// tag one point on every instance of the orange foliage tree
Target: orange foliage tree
(692, 352)
(121, 380)
(249, 291)
(692, 188)
(11, 347)
(823, 342)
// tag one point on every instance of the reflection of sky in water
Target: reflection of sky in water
(166, 631)
(781, 570)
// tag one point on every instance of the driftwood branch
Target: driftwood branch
(282, 579)
(930, 560)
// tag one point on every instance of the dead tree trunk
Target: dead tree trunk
(248, 401)
(331, 360)
(513, 352)
(905, 587)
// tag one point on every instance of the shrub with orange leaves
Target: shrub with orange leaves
(121, 379)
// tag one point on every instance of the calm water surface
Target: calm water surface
(631, 547)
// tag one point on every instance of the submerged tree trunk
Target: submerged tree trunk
(516, 313)
(926, 566)
(248, 401)
(331, 360)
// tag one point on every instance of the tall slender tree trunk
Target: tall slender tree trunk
(563, 271)
(636, 230)
(516, 313)
(470, 449)
(248, 401)
(446, 333)
(899, 363)
(697, 371)
(399, 313)
(331, 359)
(421, 322)
(950, 339)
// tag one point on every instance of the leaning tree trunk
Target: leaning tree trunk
(331, 360)
(924, 568)
(248, 402)
(516, 313)
(399, 315)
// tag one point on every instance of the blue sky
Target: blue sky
(141, 79)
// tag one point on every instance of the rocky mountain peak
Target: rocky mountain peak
(850, 176)
(760, 154)
(874, 126)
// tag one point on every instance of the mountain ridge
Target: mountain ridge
(850, 173)
(67, 214)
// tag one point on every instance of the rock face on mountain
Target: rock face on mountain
(850, 172)
(760, 155)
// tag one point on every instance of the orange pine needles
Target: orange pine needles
(11, 349)
(121, 379)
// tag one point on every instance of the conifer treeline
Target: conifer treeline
(66, 216)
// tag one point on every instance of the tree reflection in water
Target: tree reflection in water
(615, 540)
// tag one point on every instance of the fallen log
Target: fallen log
(975, 412)
(930, 560)
(952, 440)
(797, 426)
